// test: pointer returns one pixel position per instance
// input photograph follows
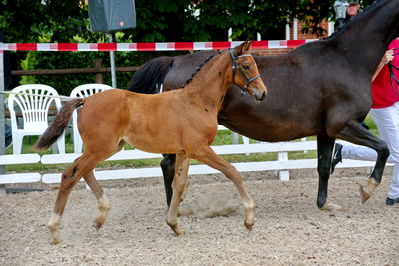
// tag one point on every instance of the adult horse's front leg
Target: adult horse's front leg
(179, 185)
(209, 157)
(168, 170)
(355, 133)
(325, 145)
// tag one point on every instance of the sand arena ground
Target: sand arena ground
(289, 228)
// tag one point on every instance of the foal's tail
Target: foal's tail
(60, 122)
(150, 76)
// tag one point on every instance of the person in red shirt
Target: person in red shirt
(385, 113)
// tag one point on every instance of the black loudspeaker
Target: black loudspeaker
(112, 15)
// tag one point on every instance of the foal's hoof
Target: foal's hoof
(176, 228)
(56, 241)
(178, 231)
(249, 216)
(97, 225)
(248, 225)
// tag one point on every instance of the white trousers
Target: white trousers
(387, 121)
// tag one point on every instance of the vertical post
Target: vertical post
(2, 129)
(99, 76)
(112, 57)
(330, 28)
(287, 29)
(295, 29)
(283, 175)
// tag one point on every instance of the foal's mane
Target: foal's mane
(199, 68)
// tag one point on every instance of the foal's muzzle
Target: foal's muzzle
(259, 95)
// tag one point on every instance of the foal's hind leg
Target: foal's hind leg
(69, 179)
(179, 185)
(209, 157)
(103, 202)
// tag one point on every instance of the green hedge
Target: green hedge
(63, 60)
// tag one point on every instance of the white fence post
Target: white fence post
(283, 175)
(2, 121)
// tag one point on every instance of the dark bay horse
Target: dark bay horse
(109, 119)
(321, 88)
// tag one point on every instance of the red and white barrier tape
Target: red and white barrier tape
(159, 46)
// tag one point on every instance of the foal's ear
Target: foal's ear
(242, 48)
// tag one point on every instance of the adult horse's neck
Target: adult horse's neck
(370, 33)
(210, 84)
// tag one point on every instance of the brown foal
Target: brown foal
(109, 119)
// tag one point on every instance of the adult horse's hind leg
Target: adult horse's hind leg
(354, 132)
(179, 185)
(209, 157)
(103, 202)
(325, 145)
(69, 179)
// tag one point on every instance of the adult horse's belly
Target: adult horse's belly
(268, 120)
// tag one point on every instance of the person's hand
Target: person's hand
(388, 57)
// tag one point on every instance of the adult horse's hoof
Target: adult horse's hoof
(367, 191)
(364, 196)
(332, 207)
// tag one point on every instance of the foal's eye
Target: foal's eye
(246, 67)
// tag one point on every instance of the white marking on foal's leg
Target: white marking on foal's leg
(103, 206)
(52, 225)
(249, 214)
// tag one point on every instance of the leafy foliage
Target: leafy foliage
(65, 83)
(157, 21)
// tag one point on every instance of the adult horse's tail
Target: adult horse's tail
(150, 76)
(60, 122)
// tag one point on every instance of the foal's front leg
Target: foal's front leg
(209, 157)
(179, 184)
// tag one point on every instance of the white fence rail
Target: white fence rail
(283, 164)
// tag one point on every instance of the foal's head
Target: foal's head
(245, 72)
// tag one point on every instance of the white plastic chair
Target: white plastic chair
(33, 102)
(83, 91)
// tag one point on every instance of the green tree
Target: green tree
(157, 21)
